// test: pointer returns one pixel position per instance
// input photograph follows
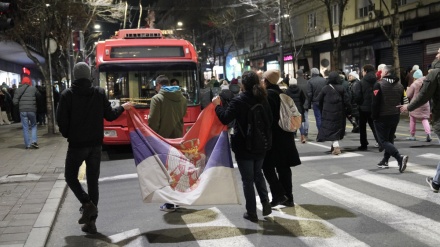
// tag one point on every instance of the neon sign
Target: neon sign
(288, 58)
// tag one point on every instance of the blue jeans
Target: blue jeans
(251, 173)
(74, 159)
(304, 129)
(317, 113)
(26, 118)
(385, 130)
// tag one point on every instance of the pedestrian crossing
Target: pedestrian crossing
(420, 228)
(362, 196)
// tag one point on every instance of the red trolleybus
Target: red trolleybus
(127, 66)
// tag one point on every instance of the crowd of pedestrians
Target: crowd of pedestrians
(377, 97)
(374, 97)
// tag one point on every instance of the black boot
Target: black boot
(88, 210)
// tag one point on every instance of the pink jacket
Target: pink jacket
(412, 92)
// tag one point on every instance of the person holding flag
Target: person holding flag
(249, 163)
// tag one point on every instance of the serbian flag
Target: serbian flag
(194, 170)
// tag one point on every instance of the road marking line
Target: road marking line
(221, 220)
(419, 227)
(340, 238)
(430, 156)
(415, 168)
(405, 187)
(326, 157)
(120, 237)
(119, 177)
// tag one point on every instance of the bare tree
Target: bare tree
(331, 7)
(392, 31)
(38, 21)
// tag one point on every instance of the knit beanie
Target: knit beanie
(81, 70)
(314, 71)
(415, 67)
(354, 74)
(417, 74)
(293, 81)
(272, 76)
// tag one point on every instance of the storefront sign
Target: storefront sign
(288, 58)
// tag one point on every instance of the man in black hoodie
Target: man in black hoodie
(363, 93)
(387, 95)
(80, 115)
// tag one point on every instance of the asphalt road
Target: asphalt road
(340, 201)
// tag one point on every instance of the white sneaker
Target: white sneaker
(376, 144)
(411, 138)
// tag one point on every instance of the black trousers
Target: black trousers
(364, 118)
(385, 130)
(74, 159)
(280, 180)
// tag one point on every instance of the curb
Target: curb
(42, 226)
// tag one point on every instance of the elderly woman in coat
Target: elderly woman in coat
(421, 113)
(283, 154)
(334, 106)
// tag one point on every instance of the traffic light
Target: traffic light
(5, 21)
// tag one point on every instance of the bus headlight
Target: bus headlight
(110, 133)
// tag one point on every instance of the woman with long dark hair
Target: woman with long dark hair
(249, 163)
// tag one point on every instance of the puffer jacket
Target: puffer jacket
(387, 94)
(430, 90)
(412, 92)
(363, 92)
(26, 98)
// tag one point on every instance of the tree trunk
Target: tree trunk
(396, 59)
(224, 68)
(49, 107)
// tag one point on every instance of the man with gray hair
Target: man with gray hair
(314, 86)
(387, 94)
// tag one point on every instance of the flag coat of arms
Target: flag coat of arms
(193, 170)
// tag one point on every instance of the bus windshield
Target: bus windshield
(137, 82)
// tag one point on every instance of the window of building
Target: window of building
(335, 14)
(312, 20)
(364, 7)
(403, 2)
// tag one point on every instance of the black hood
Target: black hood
(390, 79)
(82, 87)
(370, 77)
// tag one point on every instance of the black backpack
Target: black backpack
(259, 134)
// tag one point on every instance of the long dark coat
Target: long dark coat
(283, 151)
(334, 105)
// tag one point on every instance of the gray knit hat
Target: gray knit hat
(81, 70)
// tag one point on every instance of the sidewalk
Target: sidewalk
(31, 186)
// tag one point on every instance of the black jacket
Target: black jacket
(283, 151)
(299, 97)
(81, 111)
(238, 110)
(387, 94)
(363, 92)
